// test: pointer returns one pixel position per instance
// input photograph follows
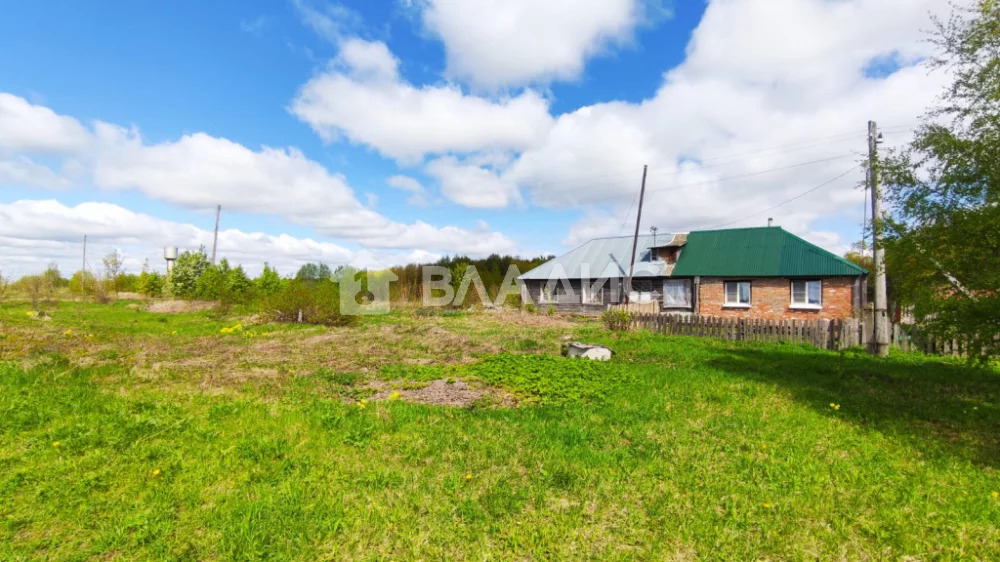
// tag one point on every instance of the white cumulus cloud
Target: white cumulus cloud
(362, 97)
(500, 43)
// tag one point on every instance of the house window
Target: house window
(546, 294)
(642, 291)
(738, 294)
(593, 294)
(807, 294)
(677, 293)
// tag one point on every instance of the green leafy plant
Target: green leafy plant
(617, 319)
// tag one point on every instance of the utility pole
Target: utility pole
(84, 266)
(635, 240)
(880, 319)
(215, 239)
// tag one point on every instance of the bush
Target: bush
(529, 308)
(150, 283)
(39, 288)
(186, 271)
(617, 319)
(309, 302)
(83, 284)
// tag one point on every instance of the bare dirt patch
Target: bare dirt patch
(174, 306)
(441, 392)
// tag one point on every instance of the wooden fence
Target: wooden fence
(825, 334)
(638, 307)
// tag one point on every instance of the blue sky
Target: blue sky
(516, 127)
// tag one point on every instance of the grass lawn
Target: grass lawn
(131, 435)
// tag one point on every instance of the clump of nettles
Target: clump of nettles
(617, 319)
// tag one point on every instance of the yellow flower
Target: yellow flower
(28, 313)
(174, 333)
(468, 476)
(362, 403)
(767, 506)
(763, 446)
(834, 406)
(156, 472)
(68, 332)
(394, 396)
(56, 443)
(995, 495)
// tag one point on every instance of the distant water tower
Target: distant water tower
(170, 254)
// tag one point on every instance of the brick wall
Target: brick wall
(771, 298)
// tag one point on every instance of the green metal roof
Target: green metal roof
(757, 252)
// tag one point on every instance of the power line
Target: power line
(751, 174)
(788, 147)
(628, 214)
(785, 202)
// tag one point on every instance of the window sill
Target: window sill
(805, 307)
(736, 306)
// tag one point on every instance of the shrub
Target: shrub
(150, 283)
(617, 319)
(83, 284)
(39, 288)
(310, 302)
(529, 308)
(186, 271)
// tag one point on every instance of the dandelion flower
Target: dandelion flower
(156, 472)
(68, 332)
(56, 443)
(995, 495)
(468, 476)
(394, 395)
(767, 506)
(834, 406)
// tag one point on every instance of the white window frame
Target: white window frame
(805, 305)
(738, 303)
(687, 288)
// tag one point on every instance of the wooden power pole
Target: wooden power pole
(215, 238)
(880, 320)
(635, 240)
(84, 266)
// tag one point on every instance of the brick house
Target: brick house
(763, 272)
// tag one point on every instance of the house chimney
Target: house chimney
(770, 221)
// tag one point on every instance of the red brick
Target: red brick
(771, 298)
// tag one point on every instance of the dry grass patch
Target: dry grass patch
(443, 392)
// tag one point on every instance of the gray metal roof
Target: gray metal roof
(605, 258)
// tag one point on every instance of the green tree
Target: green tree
(185, 273)
(269, 283)
(211, 284)
(150, 283)
(83, 283)
(314, 272)
(114, 269)
(239, 287)
(944, 190)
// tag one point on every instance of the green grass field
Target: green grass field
(131, 435)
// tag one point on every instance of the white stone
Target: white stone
(587, 351)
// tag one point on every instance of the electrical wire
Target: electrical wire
(785, 202)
